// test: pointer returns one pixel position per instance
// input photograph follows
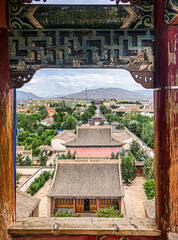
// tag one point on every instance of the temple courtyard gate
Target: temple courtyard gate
(141, 37)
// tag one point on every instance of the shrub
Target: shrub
(108, 212)
(65, 214)
(39, 182)
(149, 187)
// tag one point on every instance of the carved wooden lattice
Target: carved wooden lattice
(80, 37)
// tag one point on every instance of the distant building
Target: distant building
(84, 186)
(26, 205)
(96, 120)
(48, 102)
(57, 142)
(94, 140)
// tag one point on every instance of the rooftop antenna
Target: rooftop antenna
(86, 92)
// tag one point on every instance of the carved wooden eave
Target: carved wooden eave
(146, 79)
(18, 79)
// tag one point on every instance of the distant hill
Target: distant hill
(146, 92)
(26, 95)
(107, 93)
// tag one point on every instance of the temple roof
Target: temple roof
(25, 204)
(87, 180)
(94, 136)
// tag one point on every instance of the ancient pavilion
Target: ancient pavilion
(84, 186)
(94, 140)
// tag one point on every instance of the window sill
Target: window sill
(87, 226)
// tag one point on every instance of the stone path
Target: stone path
(135, 192)
(41, 194)
(51, 159)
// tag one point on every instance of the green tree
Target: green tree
(19, 159)
(149, 187)
(110, 117)
(76, 114)
(103, 109)
(43, 112)
(22, 136)
(28, 161)
(34, 144)
(134, 147)
(149, 168)
(128, 168)
(42, 158)
(120, 125)
(86, 116)
(133, 126)
(40, 131)
(68, 155)
(69, 123)
(122, 152)
(112, 155)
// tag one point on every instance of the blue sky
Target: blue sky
(50, 82)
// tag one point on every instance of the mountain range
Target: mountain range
(99, 93)
(109, 93)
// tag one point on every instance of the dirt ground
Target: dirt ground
(137, 196)
(41, 194)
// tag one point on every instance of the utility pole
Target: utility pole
(86, 94)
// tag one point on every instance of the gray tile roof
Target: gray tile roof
(94, 136)
(87, 180)
(25, 204)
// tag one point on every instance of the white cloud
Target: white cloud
(63, 81)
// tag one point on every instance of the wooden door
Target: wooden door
(79, 205)
(93, 205)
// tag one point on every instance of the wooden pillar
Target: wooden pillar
(7, 191)
(74, 205)
(166, 122)
(98, 203)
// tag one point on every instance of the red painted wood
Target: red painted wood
(94, 151)
(74, 207)
(98, 203)
(166, 122)
(139, 170)
(7, 193)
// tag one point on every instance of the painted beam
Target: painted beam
(76, 16)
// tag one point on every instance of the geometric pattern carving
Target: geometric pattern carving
(18, 79)
(146, 79)
(171, 11)
(95, 17)
(31, 50)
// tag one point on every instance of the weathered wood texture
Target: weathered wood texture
(7, 194)
(85, 237)
(84, 226)
(166, 122)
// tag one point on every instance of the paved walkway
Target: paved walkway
(41, 194)
(134, 198)
(51, 159)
